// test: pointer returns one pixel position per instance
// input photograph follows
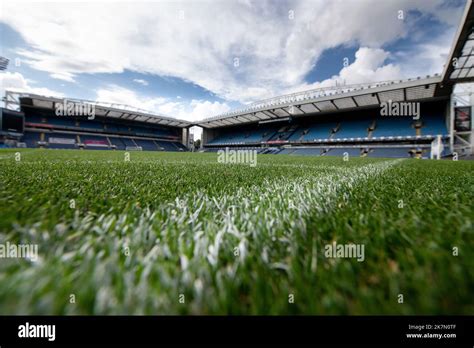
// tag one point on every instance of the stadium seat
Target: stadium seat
(353, 129)
(146, 145)
(352, 152)
(389, 152)
(433, 125)
(393, 127)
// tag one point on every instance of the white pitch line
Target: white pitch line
(285, 203)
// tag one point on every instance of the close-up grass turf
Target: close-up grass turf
(133, 237)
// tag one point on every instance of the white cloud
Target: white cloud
(14, 81)
(369, 66)
(63, 76)
(200, 44)
(204, 108)
(427, 58)
(190, 110)
(120, 95)
(141, 82)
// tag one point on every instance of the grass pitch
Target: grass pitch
(180, 233)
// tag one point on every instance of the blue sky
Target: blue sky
(197, 59)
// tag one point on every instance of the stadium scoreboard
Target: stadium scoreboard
(462, 119)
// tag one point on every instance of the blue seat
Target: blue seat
(433, 125)
(317, 131)
(389, 152)
(393, 127)
(307, 152)
(352, 152)
(353, 129)
(31, 139)
(147, 145)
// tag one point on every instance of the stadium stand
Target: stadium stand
(117, 142)
(316, 131)
(168, 146)
(433, 125)
(128, 142)
(59, 122)
(335, 133)
(147, 145)
(283, 133)
(61, 141)
(127, 129)
(287, 151)
(389, 152)
(308, 152)
(390, 126)
(31, 139)
(91, 125)
(342, 151)
(95, 142)
(353, 129)
(246, 136)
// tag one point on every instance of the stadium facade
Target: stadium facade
(419, 117)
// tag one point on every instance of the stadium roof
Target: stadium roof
(108, 110)
(333, 99)
(460, 66)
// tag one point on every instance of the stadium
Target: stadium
(424, 114)
(359, 202)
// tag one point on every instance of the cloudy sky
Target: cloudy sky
(195, 59)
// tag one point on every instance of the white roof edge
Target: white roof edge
(456, 39)
(361, 90)
(107, 106)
